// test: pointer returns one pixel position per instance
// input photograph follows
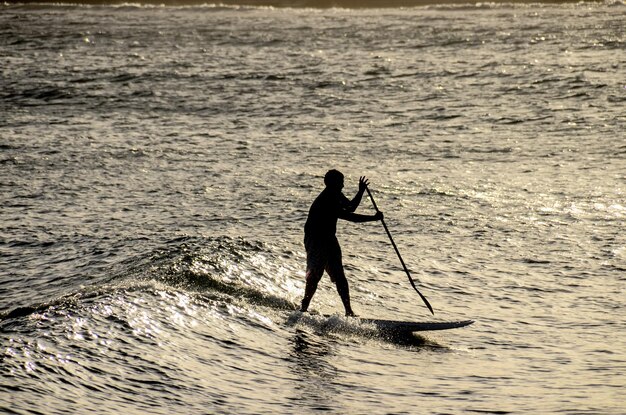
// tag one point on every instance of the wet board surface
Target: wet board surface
(409, 326)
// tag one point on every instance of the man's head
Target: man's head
(334, 179)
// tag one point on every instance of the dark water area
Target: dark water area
(157, 166)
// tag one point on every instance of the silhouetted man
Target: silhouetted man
(322, 248)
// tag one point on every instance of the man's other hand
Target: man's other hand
(363, 182)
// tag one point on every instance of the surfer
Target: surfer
(322, 248)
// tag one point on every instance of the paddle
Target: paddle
(398, 252)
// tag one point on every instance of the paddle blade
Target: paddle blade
(426, 302)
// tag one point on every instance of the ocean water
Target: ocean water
(158, 163)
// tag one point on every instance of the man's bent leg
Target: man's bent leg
(313, 277)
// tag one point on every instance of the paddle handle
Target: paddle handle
(395, 247)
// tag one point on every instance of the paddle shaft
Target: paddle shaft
(395, 247)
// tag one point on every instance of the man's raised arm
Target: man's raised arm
(354, 203)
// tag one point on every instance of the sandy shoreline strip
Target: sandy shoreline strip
(321, 4)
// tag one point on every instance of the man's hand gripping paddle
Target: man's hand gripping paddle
(398, 252)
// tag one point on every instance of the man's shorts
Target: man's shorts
(323, 255)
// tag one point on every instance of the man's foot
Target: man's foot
(350, 314)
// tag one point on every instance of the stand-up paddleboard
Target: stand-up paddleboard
(393, 327)
(408, 326)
